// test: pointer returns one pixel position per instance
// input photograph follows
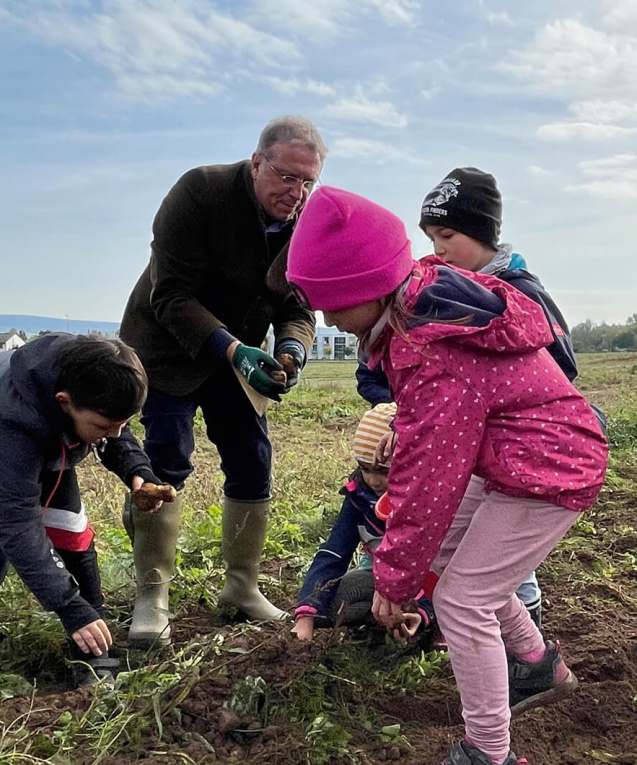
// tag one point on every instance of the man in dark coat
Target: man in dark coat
(198, 317)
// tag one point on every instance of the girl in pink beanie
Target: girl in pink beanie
(477, 393)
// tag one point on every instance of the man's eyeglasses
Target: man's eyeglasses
(292, 181)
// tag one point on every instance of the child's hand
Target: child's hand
(148, 497)
(94, 638)
(385, 449)
(304, 627)
(408, 628)
(389, 614)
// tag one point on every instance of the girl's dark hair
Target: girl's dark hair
(103, 375)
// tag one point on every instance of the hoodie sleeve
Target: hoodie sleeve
(23, 538)
(332, 559)
(125, 457)
(439, 425)
(562, 347)
(373, 385)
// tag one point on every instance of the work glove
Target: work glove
(259, 370)
(291, 357)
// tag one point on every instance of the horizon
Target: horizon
(106, 103)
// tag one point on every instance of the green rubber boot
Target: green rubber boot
(154, 538)
(243, 530)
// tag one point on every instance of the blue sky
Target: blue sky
(105, 103)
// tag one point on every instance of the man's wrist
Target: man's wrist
(219, 341)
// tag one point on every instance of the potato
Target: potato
(149, 494)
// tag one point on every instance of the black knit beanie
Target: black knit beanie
(467, 200)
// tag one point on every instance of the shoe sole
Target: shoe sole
(553, 695)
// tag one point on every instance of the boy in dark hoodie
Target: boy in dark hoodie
(62, 396)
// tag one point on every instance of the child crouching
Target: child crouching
(331, 594)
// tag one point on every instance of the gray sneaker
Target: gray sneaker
(545, 682)
(463, 753)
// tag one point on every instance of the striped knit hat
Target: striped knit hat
(374, 424)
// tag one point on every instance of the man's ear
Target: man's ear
(254, 165)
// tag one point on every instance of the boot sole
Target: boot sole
(551, 696)
(148, 641)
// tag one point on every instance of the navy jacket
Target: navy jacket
(447, 305)
(562, 348)
(36, 442)
(356, 524)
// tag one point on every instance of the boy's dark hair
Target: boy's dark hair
(103, 375)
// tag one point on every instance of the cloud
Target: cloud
(371, 151)
(567, 55)
(359, 108)
(599, 110)
(151, 45)
(331, 18)
(587, 131)
(538, 172)
(292, 86)
(499, 18)
(610, 177)
(608, 165)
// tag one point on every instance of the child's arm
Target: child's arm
(23, 538)
(332, 559)
(125, 457)
(439, 435)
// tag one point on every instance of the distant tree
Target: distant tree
(23, 335)
(44, 332)
(632, 320)
(626, 340)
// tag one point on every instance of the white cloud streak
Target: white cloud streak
(155, 48)
(587, 131)
(378, 152)
(610, 177)
(360, 108)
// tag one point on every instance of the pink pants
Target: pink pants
(494, 542)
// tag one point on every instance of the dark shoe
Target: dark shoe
(463, 753)
(534, 685)
(88, 669)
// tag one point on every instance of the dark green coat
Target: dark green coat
(210, 267)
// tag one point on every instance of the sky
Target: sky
(105, 103)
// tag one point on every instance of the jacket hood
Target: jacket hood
(33, 377)
(490, 314)
(476, 310)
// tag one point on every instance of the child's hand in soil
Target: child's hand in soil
(304, 627)
(94, 638)
(408, 628)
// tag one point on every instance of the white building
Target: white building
(10, 340)
(331, 344)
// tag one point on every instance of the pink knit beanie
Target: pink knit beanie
(346, 251)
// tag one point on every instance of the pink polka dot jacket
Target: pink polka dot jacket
(483, 396)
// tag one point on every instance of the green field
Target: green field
(342, 698)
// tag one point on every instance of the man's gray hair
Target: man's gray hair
(291, 128)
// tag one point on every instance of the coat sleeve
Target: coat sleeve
(292, 320)
(23, 538)
(373, 385)
(439, 425)
(125, 457)
(178, 263)
(562, 347)
(332, 559)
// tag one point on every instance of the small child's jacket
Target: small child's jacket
(37, 446)
(356, 524)
(477, 392)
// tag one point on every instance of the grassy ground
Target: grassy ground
(227, 692)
